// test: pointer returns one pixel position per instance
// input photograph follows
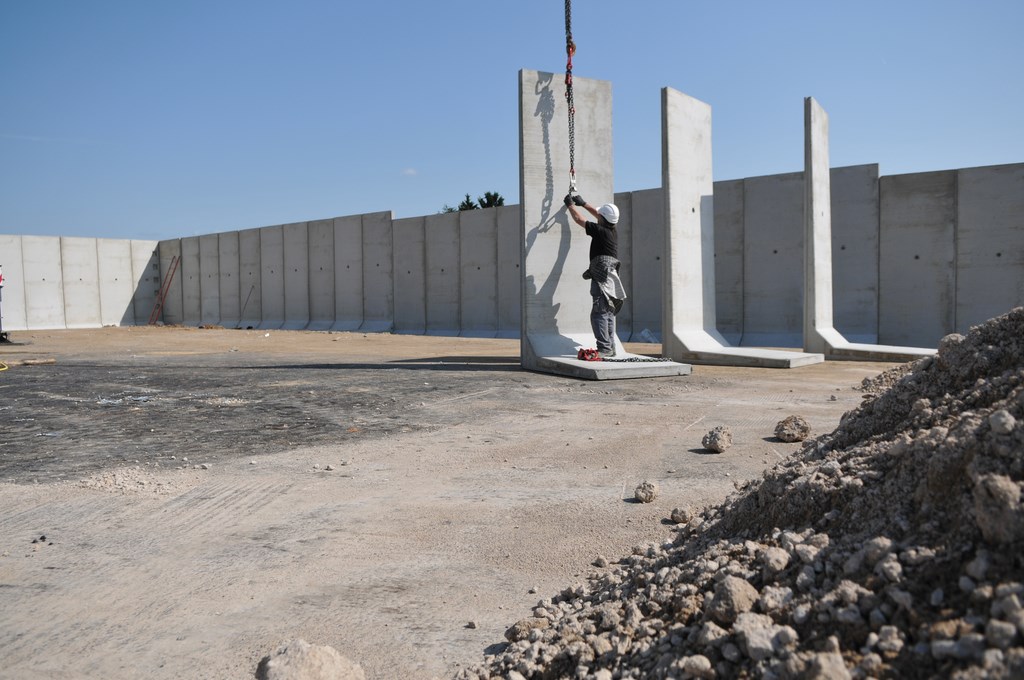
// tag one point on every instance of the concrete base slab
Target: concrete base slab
(836, 347)
(613, 370)
(702, 348)
(854, 351)
(556, 354)
(610, 370)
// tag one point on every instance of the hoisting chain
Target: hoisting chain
(570, 49)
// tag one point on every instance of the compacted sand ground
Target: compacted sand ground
(178, 502)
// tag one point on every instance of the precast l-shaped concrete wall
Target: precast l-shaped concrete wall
(556, 309)
(820, 334)
(689, 307)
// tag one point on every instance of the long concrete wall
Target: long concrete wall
(444, 274)
(65, 282)
(915, 257)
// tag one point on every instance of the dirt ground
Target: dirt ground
(207, 494)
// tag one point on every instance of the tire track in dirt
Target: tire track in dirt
(218, 506)
(121, 539)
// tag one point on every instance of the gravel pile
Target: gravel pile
(892, 547)
(885, 380)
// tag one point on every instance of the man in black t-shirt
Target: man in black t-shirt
(605, 287)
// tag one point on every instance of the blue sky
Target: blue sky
(146, 119)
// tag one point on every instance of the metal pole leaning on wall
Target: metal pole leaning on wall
(3, 335)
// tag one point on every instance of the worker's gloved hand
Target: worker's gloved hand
(578, 200)
(568, 200)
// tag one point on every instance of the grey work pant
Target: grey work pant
(602, 320)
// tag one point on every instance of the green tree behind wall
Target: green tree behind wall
(490, 199)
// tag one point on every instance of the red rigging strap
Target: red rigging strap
(570, 49)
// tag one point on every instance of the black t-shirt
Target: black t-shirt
(603, 240)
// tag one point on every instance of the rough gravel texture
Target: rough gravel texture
(892, 547)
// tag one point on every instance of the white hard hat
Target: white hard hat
(609, 212)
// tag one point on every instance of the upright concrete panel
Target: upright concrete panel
(820, 334)
(688, 271)
(817, 317)
(410, 276)
(729, 259)
(855, 252)
(173, 310)
(989, 243)
(647, 220)
(230, 286)
(296, 275)
(191, 272)
(272, 278)
(624, 319)
(917, 257)
(321, 275)
(555, 252)
(12, 295)
(689, 319)
(250, 285)
(509, 272)
(44, 286)
(80, 276)
(116, 282)
(443, 273)
(378, 280)
(348, 273)
(478, 253)
(773, 260)
(146, 275)
(209, 280)
(556, 301)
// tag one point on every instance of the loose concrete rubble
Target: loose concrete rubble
(793, 429)
(890, 547)
(646, 491)
(681, 515)
(299, 660)
(718, 439)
